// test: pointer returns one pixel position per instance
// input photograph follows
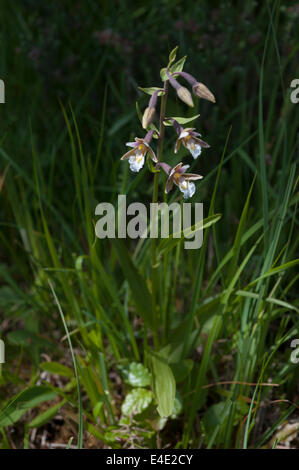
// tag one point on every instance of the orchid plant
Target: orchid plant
(141, 147)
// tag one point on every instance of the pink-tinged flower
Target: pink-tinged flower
(189, 138)
(137, 154)
(181, 179)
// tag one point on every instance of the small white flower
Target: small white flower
(191, 141)
(136, 162)
(187, 188)
(137, 154)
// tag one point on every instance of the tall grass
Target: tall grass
(225, 314)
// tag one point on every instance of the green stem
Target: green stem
(155, 200)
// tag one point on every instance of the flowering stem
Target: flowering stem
(155, 200)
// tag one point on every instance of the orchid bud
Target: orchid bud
(182, 92)
(201, 91)
(148, 116)
(185, 96)
(150, 111)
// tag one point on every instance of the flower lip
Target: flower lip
(187, 188)
(136, 162)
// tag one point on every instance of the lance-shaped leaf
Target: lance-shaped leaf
(180, 120)
(152, 90)
(164, 385)
(172, 56)
(168, 244)
(176, 67)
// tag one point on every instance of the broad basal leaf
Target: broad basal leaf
(164, 387)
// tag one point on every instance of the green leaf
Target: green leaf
(169, 243)
(136, 401)
(164, 386)
(241, 267)
(121, 122)
(177, 406)
(253, 295)
(56, 368)
(136, 375)
(28, 398)
(97, 409)
(180, 120)
(140, 292)
(182, 369)
(172, 56)
(215, 416)
(139, 113)
(238, 238)
(151, 90)
(177, 67)
(273, 271)
(46, 416)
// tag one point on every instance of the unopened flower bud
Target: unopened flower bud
(185, 96)
(150, 111)
(148, 116)
(201, 91)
